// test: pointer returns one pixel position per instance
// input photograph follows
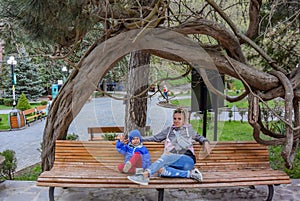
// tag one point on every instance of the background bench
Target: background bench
(93, 164)
(31, 115)
(97, 133)
(41, 109)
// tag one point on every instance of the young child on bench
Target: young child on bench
(136, 154)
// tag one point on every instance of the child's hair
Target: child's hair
(135, 133)
(49, 97)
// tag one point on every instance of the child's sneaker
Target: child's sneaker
(127, 166)
(139, 171)
(196, 174)
(139, 179)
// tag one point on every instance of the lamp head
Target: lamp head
(11, 61)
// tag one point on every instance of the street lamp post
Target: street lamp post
(65, 73)
(12, 62)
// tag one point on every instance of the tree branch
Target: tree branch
(245, 38)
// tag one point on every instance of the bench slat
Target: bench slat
(96, 133)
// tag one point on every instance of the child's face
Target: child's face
(135, 141)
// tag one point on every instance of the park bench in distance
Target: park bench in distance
(93, 164)
(31, 115)
(96, 133)
(41, 109)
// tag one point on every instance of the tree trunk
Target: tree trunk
(136, 107)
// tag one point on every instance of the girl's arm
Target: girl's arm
(158, 137)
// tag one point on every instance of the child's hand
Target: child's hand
(122, 138)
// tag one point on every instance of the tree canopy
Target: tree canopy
(256, 42)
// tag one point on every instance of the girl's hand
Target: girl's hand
(206, 148)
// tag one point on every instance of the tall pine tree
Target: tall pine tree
(29, 81)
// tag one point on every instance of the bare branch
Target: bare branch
(245, 38)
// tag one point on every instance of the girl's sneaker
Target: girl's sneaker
(196, 174)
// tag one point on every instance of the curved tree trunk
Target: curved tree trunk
(136, 107)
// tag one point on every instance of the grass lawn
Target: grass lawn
(237, 131)
(4, 122)
(3, 107)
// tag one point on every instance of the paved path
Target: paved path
(28, 191)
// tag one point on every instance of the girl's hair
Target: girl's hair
(180, 111)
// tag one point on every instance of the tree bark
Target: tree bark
(136, 107)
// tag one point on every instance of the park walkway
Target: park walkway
(28, 191)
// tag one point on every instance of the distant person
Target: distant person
(166, 92)
(136, 154)
(49, 102)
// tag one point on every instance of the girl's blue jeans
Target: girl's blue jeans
(174, 165)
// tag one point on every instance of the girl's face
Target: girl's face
(135, 141)
(178, 120)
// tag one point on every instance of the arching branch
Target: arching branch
(217, 31)
(289, 140)
(253, 118)
(245, 38)
(254, 10)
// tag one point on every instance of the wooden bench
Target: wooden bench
(31, 115)
(96, 133)
(41, 109)
(93, 164)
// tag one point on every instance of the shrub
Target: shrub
(277, 163)
(30, 173)
(10, 164)
(23, 103)
(99, 94)
(1, 101)
(8, 102)
(44, 102)
(72, 137)
(110, 136)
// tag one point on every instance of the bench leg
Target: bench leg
(160, 194)
(51, 193)
(271, 192)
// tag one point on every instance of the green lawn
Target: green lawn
(4, 122)
(237, 131)
(227, 131)
(3, 107)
